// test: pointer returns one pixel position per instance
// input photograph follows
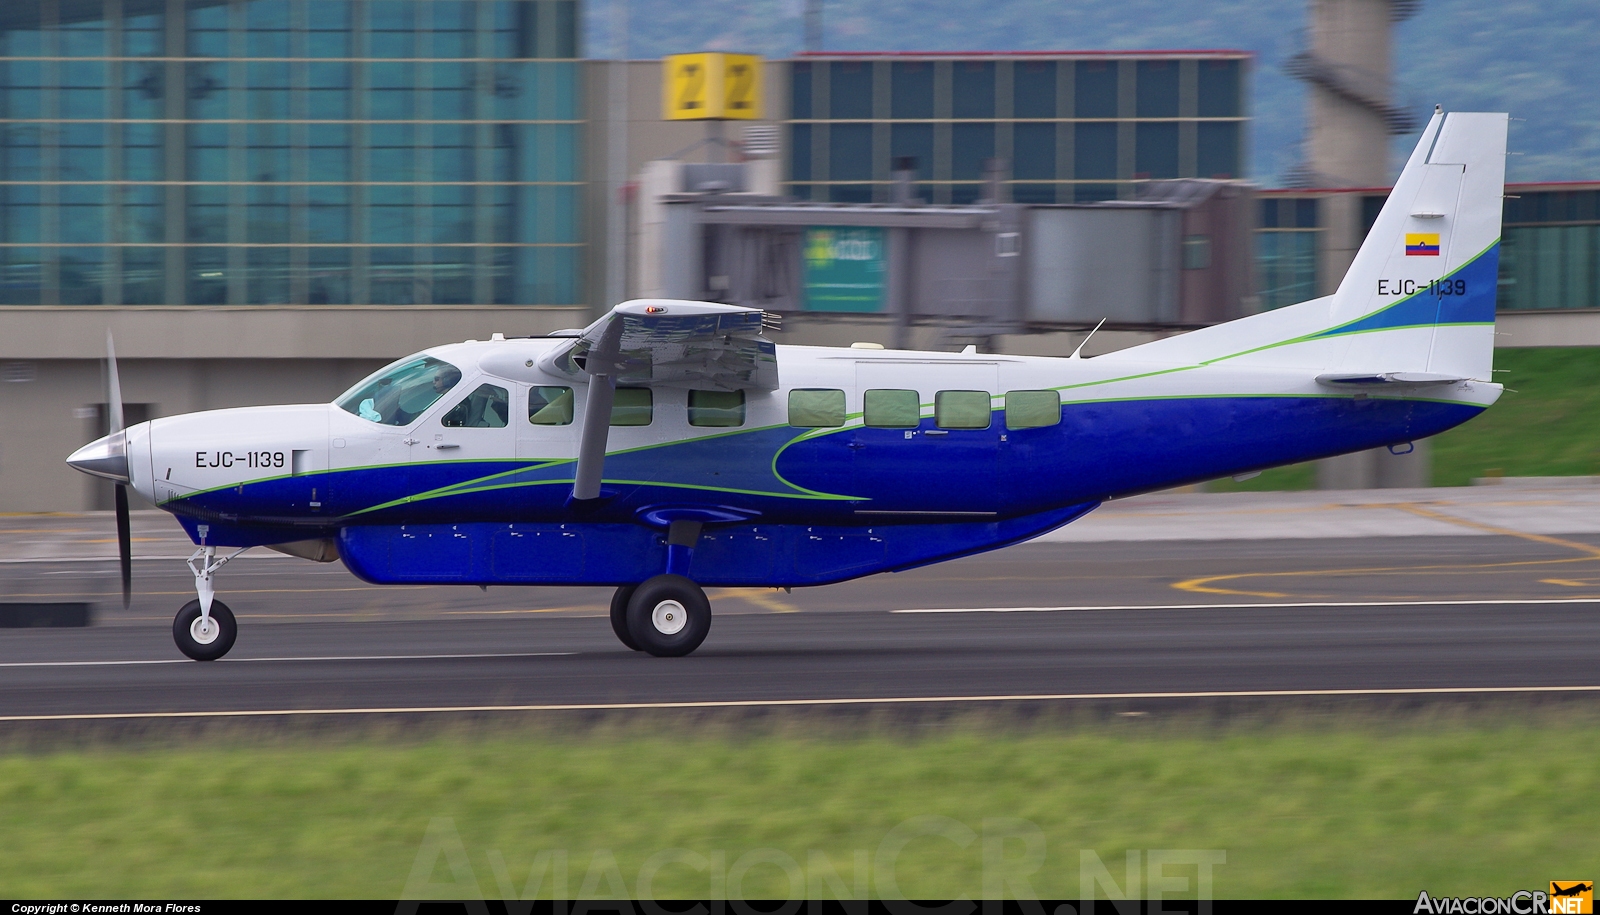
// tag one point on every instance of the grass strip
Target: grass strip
(1542, 426)
(1360, 810)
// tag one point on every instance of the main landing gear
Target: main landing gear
(668, 615)
(205, 628)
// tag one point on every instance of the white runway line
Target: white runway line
(1354, 603)
(358, 657)
(792, 703)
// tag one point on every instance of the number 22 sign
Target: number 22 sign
(711, 87)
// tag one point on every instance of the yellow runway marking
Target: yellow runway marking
(763, 598)
(585, 608)
(1204, 584)
(1565, 582)
(41, 530)
(1585, 599)
(801, 703)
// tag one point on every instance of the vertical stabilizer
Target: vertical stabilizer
(1420, 294)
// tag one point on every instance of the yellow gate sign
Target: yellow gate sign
(741, 87)
(711, 87)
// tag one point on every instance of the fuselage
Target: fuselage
(267, 475)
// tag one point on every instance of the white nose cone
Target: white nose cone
(106, 458)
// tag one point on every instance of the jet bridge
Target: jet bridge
(1177, 257)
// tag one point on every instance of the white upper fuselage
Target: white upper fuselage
(178, 455)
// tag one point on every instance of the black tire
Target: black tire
(619, 615)
(228, 630)
(656, 633)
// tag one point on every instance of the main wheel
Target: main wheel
(204, 640)
(619, 615)
(669, 616)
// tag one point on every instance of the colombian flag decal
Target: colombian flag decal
(1422, 244)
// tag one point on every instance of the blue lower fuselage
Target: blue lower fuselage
(787, 506)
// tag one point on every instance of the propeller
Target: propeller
(114, 423)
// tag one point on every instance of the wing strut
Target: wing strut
(601, 366)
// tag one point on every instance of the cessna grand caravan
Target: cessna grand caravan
(670, 445)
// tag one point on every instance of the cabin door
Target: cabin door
(907, 461)
(469, 435)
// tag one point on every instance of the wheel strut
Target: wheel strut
(204, 628)
(205, 572)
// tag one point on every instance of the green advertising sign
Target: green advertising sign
(844, 269)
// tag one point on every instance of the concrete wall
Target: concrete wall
(646, 137)
(178, 360)
(1525, 329)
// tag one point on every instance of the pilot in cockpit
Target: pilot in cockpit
(444, 379)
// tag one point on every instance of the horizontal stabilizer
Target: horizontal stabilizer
(677, 344)
(1362, 381)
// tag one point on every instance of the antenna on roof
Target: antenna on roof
(1075, 353)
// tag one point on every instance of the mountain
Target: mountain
(1538, 60)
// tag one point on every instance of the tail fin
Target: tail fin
(1430, 264)
(1420, 294)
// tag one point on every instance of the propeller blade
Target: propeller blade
(125, 544)
(113, 388)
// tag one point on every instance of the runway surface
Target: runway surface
(1447, 615)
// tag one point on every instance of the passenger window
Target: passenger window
(813, 408)
(1032, 409)
(716, 408)
(961, 409)
(485, 408)
(891, 409)
(632, 407)
(550, 406)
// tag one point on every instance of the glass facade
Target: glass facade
(1549, 246)
(305, 152)
(1072, 127)
(1550, 250)
(1286, 250)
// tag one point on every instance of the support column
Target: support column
(175, 94)
(899, 285)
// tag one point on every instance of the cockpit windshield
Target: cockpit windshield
(399, 393)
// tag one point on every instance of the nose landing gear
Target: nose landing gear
(205, 628)
(204, 637)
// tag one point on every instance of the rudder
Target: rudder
(1427, 273)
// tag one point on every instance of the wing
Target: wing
(677, 344)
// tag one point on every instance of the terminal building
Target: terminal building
(1074, 127)
(264, 200)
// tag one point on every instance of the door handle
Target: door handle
(409, 441)
(444, 445)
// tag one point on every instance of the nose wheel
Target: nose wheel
(667, 616)
(205, 628)
(204, 637)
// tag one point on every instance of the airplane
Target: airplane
(1577, 889)
(670, 446)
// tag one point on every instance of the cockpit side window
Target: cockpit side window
(485, 408)
(400, 393)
